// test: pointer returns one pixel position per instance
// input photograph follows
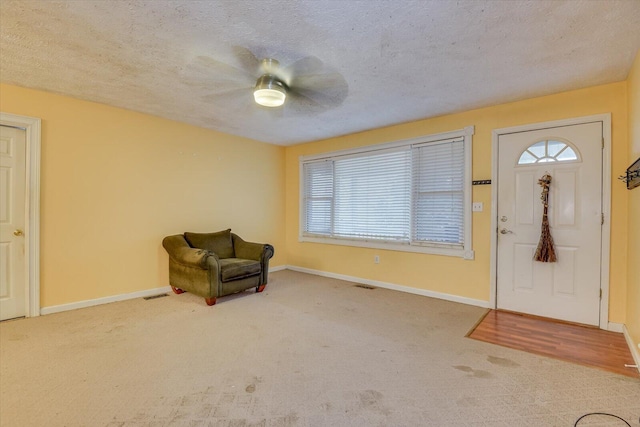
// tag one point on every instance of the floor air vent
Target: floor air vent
(155, 296)
(364, 287)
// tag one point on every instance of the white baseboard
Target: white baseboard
(393, 286)
(105, 300)
(615, 327)
(635, 349)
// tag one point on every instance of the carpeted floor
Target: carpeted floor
(309, 351)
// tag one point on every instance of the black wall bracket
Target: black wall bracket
(632, 175)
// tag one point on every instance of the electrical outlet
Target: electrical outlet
(376, 259)
(477, 207)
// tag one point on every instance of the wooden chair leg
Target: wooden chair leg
(261, 288)
(210, 301)
(177, 290)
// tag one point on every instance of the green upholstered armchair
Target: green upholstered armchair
(216, 264)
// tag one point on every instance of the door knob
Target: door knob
(505, 231)
(18, 233)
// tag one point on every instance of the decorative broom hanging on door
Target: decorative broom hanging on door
(545, 251)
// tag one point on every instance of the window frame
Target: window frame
(465, 251)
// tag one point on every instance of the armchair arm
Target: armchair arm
(250, 250)
(256, 251)
(180, 252)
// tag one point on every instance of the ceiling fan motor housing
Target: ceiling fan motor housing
(270, 91)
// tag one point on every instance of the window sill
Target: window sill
(424, 249)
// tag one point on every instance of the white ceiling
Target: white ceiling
(393, 61)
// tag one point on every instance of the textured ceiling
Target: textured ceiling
(381, 62)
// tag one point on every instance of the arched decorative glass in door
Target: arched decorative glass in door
(546, 151)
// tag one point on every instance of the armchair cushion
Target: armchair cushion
(236, 268)
(220, 243)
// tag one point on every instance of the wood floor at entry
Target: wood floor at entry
(583, 345)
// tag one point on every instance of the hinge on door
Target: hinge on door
(602, 219)
(603, 142)
(600, 293)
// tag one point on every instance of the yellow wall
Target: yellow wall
(451, 275)
(115, 182)
(633, 289)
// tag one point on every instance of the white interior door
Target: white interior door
(568, 289)
(12, 223)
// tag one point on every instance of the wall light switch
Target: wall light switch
(477, 207)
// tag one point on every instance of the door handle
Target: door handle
(505, 231)
(18, 233)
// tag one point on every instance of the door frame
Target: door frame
(32, 127)
(606, 202)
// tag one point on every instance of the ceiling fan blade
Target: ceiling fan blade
(245, 94)
(267, 112)
(320, 81)
(301, 67)
(299, 103)
(204, 68)
(329, 89)
(247, 59)
(242, 100)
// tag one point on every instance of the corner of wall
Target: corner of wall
(633, 200)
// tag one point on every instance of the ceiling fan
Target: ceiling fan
(304, 86)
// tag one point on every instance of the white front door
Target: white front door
(568, 289)
(12, 223)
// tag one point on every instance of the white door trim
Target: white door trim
(32, 126)
(606, 202)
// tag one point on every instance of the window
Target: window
(547, 151)
(408, 195)
(439, 193)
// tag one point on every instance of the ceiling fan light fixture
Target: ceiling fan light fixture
(269, 91)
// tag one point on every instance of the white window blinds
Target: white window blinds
(407, 194)
(373, 196)
(318, 197)
(438, 197)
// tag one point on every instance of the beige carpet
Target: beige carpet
(309, 351)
